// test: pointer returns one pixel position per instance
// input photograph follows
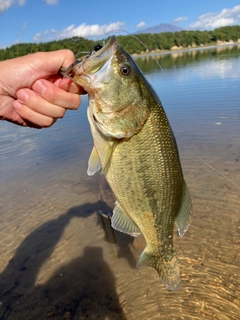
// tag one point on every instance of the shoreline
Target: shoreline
(186, 49)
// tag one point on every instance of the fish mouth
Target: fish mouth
(92, 62)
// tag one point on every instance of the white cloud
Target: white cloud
(52, 2)
(180, 19)
(141, 24)
(82, 30)
(212, 20)
(6, 4)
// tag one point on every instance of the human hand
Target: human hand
(33, 93)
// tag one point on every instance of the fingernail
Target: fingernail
(22, 96)
(17, 105)
(40, 87)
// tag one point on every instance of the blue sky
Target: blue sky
(45, 20)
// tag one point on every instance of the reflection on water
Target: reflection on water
(60, 258)
(179, 59)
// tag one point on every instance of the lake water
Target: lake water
(59, 259)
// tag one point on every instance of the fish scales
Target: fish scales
(159, 198)
(156, 181)
(138, 155)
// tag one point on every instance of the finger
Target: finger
(66, 57)
(57, 96)
(68, 85)
(38, 104)
(49, 63)
(32, 118)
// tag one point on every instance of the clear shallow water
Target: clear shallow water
(61, 260)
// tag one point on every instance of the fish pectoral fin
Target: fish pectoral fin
(122, 222)
(168, 269)
(108, 150)
(94, 163)
(184, 217)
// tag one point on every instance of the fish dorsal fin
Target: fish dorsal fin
(122, 222)
(184, 217)
(94, 163)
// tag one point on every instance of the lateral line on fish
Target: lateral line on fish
(214, 169)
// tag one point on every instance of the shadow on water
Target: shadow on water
(82, 289)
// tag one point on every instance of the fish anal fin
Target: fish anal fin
(122, 222)
(184, 217)
(169, 271)
(94, 163)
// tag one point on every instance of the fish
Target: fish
(135, 148)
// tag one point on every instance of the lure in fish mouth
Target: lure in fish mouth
(91, 62)
(135, 148)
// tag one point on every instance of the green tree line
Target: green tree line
(152, 42)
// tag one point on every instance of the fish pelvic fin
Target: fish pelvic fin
(122, 222)
(183, 219)
(169, 271)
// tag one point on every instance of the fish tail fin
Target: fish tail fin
(169, 271)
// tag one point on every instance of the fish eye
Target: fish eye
(125, 70)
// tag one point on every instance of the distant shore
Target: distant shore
(176, 49)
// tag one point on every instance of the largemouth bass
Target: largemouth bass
(135, 148)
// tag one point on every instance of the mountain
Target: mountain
(162, 27)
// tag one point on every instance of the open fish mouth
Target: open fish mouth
(92, 62)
